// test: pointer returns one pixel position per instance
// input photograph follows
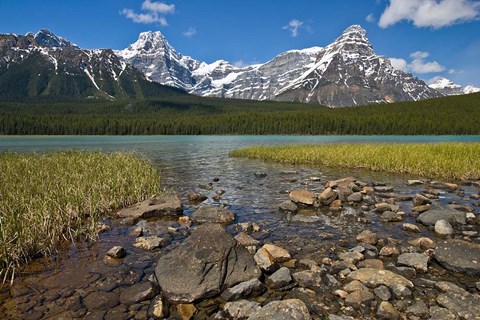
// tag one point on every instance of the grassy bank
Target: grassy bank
(441, 160)
(56, 197)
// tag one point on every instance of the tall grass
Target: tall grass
(442, 160)
(46, 199)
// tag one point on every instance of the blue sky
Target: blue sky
(429, 38)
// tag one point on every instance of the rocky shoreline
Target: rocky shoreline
(203, 265)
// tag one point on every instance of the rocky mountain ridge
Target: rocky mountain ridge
(45, 65)
(345, 73)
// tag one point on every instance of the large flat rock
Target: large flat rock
(459, 256)
(290, 309)
(204, 265)
(163, 205)
(442, 212)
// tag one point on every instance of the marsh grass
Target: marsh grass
(441, 160)
(47, 199)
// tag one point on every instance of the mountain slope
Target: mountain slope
(44, 65)
(345, 73)
(449, 88)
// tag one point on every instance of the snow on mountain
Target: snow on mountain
(46, 38)
(449, 88)
(346, 72)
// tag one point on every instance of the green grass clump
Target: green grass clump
(443, 160)
(46, 199)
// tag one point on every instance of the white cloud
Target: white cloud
(399, 64)
(370, 18)
(190, 32)
(293, 26)
(158, 7)
(455, 71)
(434, 79)
(418, 64)
(153, 12)
(429, 13)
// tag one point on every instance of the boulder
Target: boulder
(439, 212)
(100, 300)
(159, 206)
(149, 242)
(290, 309)
(303, 197)
(410, 227)
(420, 200)
(279, 278)
(387, 311)
(195, 196)
(204, 265)
(359, 298)
(308, 279)
(279, 254)
(265, 260)
(374, 277)
(416, 260)
(355, 197)
(117, 252)
(459, 256)
(424, 243)
(213, 214)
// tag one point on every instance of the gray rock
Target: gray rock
(138, 292)
(327, 196)
(387, 311)
(279, 278)
(330, 281)
(205, 264)
(290, 309)
(459, 301)
(389, 216)
(159, 206)
(416, 260)
(302, 218)
(240, 309)
(419, 309)
(383, 293)
(443, 228)
(117, 252)
(439, 212)
(288, 206)
(459, 256)
(213, 214)
(351, 257)
(308, 279)
(420, 200)
(245, 289)
(368, 237)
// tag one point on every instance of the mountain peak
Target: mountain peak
(148, 42)
(46, 38)
(356, 28)
(354, 40)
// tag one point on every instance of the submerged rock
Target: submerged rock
(374, 277)
(440, 212)
(204, 265)
(303, 197)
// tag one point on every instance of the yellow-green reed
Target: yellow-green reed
(47, 199)
(440, 160)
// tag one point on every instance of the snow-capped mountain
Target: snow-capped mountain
(449, 88)
(43, 64)
(347, 72)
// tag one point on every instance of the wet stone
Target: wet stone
(443, 228)
(359, 298)
(441, 212)
(157, 309)
(308, 279)
(389, 216)
(387, 311)
(117, 252)
(213, 214)
(459, 301)
(368, 237)
(416, 260)
(459, 256)
(383, 293)
(439, 313)
(100, 300)
(288, 206)
(374, 277)
(163, 205)
(240, 309)
(138, 292)
(303, 197)
(194, 196)
(279, 278)
(186, 311)
(149, 242)
(351, 257)
(418, 309)
(245, 289)
(410, 228)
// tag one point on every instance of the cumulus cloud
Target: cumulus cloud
(190, 32)
(370, 18)
(152, 12)
(294, 27)
(429, 13)
(419, 64)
